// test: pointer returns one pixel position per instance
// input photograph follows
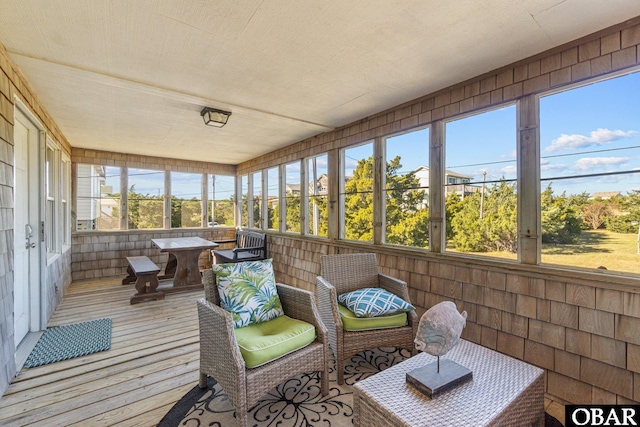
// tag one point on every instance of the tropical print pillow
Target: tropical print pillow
(372, 302)
(248, 291)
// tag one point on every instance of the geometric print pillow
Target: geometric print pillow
(248, 291)
(372, 302)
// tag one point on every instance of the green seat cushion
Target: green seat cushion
(266, 341)
(351, 322)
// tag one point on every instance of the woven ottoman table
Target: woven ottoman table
(504, 391)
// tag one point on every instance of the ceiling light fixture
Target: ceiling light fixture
(213, 117)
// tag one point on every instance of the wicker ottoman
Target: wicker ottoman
(504, 391)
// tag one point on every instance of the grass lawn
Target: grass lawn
(615, 251)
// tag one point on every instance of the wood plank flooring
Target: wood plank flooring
(152, 363)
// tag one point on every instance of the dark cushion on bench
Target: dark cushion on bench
(227, 256)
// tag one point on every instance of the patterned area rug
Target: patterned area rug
(295, 403)
(69, 341)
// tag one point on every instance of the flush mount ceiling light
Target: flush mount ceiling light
(213, 117)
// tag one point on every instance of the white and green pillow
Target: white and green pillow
(373, 302)
(248, 291)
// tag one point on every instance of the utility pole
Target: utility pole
(484, 179)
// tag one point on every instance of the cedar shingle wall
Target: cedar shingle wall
(584, 329)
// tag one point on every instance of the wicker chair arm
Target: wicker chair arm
(210, 287)
(219, 353)
(300, 304)
(399, 288)
(328, 303)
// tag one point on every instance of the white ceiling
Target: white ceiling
(132, 75)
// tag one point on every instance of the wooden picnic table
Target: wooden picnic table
(183, 261)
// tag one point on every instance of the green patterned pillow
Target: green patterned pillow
(372, 302)
(248, 291)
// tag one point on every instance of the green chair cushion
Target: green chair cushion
(351, 322)
(266, 341)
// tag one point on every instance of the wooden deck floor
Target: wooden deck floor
(153, 362)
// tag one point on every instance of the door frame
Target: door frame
(37, 296)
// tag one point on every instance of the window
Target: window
(52, 165)
(98, 198)
(222, 207)
(318, 207)
(292, 197)
(480, 189)
(272, 195)
(186, 200)
(256, 199)
(65, 207)
(590, 175)
(244, 191)
(146, 199)
(407, 189)
(356, 192)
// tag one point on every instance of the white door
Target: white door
(26, 283)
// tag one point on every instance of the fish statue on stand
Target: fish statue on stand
(438, 331)
(440, 328)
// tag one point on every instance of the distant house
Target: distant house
(322, 186)
(90, 179)
(604, 195)
(455, 181)
(292, 188)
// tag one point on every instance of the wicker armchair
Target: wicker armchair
(346, 273)
(220, 356)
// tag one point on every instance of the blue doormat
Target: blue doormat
(69, 341)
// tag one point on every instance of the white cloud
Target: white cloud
(510, 155)
(508, 170)
(591, 163)
(547, 167)
(597, 137)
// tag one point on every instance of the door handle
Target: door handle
(28, 231)
(30, 245)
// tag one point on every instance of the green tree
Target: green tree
(453, 205)
(625, 216)
(223, 212)
(492, 229)
(561, 217)
(145, 211)
(407, 214)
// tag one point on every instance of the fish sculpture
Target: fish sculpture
(440, 328)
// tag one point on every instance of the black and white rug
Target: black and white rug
(295, 403)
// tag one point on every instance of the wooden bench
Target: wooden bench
(250, 246)
(146, 273)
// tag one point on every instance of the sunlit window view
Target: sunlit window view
(272, 195)
(318, 207)
(357, 192)
(480, 184)
(292, 197)
(244, 201)
(407, 189)
(590, 175)
(256, 199)
(145, 198)
(98, 198)
(186, 200)
(222, 200)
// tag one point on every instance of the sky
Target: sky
(592, 129)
